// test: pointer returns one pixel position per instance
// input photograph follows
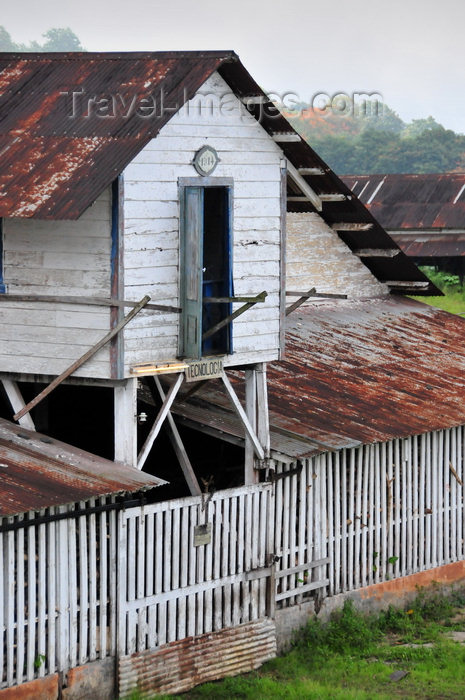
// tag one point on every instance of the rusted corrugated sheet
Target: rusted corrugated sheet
(58, 151)
(54, 166)
(37, 472)
(181, 665)
(427, 201)
(450, 245)
(363, 372)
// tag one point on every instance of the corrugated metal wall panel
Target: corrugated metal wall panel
(181, 665)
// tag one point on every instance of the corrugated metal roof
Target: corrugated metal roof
(435, 245)
(54, 166)
(425, 201)
(38, 472)
(364, 371)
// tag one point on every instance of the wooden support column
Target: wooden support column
(125, 416)
(17, 402)
(250, 473)
(263, 421)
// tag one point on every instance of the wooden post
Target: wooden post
(263, 422)
(125, 421)
(17, 402)
(250, 474)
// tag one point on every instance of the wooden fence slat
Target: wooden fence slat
(20, 583)
(10, 606)
(103, 583)
(3, 536)
(83, 588)
(73, 592)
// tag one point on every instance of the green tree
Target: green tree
(56, 39)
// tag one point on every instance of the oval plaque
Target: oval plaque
(205, 160)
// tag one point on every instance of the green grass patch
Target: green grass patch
(353, 655)
(453, 300)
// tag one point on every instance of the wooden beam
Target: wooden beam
(179, 448)
(242, 415)
(156, 427)
(214, 329)
(321, 295)
(303, 186)
(333, 197)
(286, 137)
(17, 402)
(263, 422)
(87, 301)
(345, 226)
(233, 300)
(90, 353)
(376, 252)
(409, 285)
(311, 171)
(300, 301)
(125, 422)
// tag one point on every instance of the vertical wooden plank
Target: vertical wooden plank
(286, 555)
(248, 533)
(240, 566)
(358, 515)
(131, 581)
(225, 562)
(434, 499)
(175, 570)
(301, 525)
(370, 515)
(254, 532)
(51, 595)
(460, 435)
(103, 582)
(344, 549)
(92, 584)
(233, 556)
(140, 581)
(448, 519)
(113, 571)
(421, 505)
(217, 536)
(208, 562)
(454, 513)
(322, 524)
(83, 588)
(292, 532)
(377, 566)
(201, 578)
(337, 522)
(381, 450)
(351, 521)
(73, 593)
(440, 497)
(167, 570)
(397, 508)
(42, 596)
(282, 262)
(62, 583)
(331, 510)
(403, 546)
(250, 474)
(409, 467)
(278, 545)
(150, 538)
(415, 502)
(10, 606)
(32, 590)
(191, 607)
(122, 582)
(20, 582)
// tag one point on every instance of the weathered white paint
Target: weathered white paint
(125, 417)
(316, 257)
(151, 218)
(69, 258)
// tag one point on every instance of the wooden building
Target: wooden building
(143, 202)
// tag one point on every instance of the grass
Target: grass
(353, 656)
(454, 293)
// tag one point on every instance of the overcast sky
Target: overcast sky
(412, 52)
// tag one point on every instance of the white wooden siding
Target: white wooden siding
(59, 258)
(151, 213)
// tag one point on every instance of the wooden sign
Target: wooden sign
(210, 368)
(202, 534)
(205, 160)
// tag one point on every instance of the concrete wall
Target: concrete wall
(316, 257)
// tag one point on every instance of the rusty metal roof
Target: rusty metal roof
(54, 166)
(435, 245)
(38, 472)
(426, 201)
(362, 372)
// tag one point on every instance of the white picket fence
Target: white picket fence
(58, 591)
(81, 587)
